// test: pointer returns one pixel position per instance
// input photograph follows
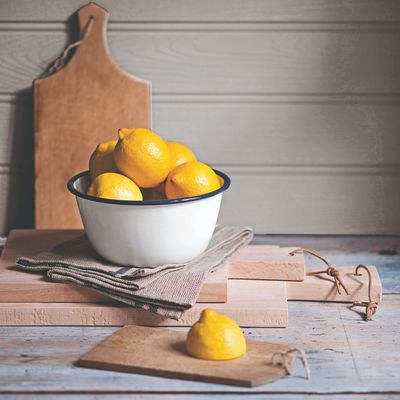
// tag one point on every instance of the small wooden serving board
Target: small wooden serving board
(158, 352)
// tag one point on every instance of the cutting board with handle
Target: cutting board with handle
(161, 352)
(82, 104)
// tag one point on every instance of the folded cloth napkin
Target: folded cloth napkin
(167, 290)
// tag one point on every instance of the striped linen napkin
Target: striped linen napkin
(166, 290)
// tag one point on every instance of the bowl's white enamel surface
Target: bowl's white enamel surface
(148, 235)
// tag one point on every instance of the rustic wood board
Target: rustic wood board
(161, 352)
(81, 105)
(267, 262)
(19, 286)
(251, 262)
(250, 303)
(322, 288)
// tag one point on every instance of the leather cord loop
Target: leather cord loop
(59, 62)
(330, 270)
(284, 358)
(370, 305)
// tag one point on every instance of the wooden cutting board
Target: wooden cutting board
(267, 262)
(322, 288)
(161, 352)
(19, 286)
(251, 262)
(77, 107)
(251, 303)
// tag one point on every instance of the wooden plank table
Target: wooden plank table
(349, 358)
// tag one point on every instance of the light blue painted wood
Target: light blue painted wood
(345, 353)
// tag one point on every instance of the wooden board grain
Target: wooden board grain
(321, 287)
(266, 262)
(22, 287)
(250, 303)
(79, 106)
(156, 352)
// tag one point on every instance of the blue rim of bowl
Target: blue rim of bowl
(76, 192)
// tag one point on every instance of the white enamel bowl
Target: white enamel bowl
(148, 233)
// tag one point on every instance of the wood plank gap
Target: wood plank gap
(267, 169)
(228, 98)
(311, 169)
(215, 26)
(244, 392)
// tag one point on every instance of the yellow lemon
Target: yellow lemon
(143, 156)
(215, 337)
(180, 154)
(221, 181)
(102, 159)
(111, 185)
(191, 179)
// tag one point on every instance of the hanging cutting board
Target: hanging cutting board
(82, 104)
(161, 352)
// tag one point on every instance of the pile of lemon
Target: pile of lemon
(140, 164)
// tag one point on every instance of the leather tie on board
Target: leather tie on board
(370, 306)
(331, 271)
(284, 358)
(59, 62)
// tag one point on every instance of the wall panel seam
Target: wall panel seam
(299, 97)
(267, 169)
(238, 26)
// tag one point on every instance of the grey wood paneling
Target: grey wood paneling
(246, 132)
(16, 198)
(210, 10)
(268, 132)
(298, 100)
(346, 202)
(227, 60)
